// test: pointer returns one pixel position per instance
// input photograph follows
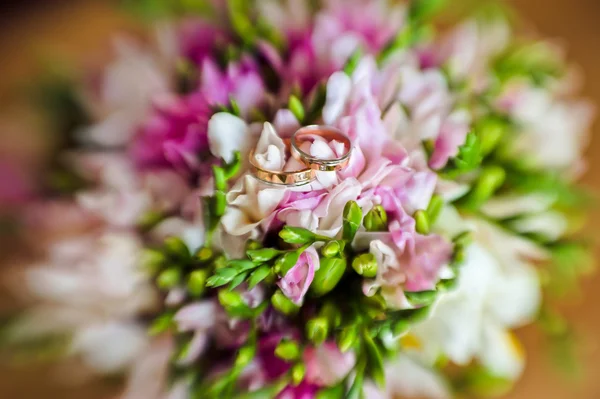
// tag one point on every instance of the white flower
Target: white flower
(227, 134)
(497, 291)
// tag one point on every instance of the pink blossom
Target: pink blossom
(326, 365)
(176, 135)
(296, 282)
(198, 39)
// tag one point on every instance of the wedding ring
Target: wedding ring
(329, 134)
(291, 179)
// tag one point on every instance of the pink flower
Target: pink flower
(317, 50)
(415, 267)
(198, 40)
(326, 365)
(298, 279)
(176, 135)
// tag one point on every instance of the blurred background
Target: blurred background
(80, 32)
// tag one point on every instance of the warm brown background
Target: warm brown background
(76, 29)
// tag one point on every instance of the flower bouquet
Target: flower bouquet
(298, 199)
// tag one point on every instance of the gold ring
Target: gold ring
(291, 179)
(328, 133)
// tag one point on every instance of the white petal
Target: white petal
(227, 134)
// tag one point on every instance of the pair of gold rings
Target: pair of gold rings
(313, 165)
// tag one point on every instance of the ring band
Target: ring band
(328, 133)
(291, 179)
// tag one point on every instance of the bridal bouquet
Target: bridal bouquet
(312, 199)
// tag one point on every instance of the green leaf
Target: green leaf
(263, 254)
(425, 9)
(374, 360)
(352, 220)
(241, 265)
(352, 62)
(335, 392)
(347, 338)
(469, 154)
(239, 16)
(297, 235)
(258, 276)
(356, 389)
(221, 277)
(161, 324)
(239, 279)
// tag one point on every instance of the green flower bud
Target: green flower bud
(169, 278)
(220, 262)
(435, 208)
(490, 180)
(196, 283)
(332, 313)
(285, 262)
(365, 265)
(287, 350)
(152, 260)
(421, 298)
(490, 131)
(298, 372)
(332, 248)
(317, 330)
(295, 105)
(252, 245)
(245, 356)
(204, 254)
(447, 285)
(262, 255)
(347, 338)
(352, 219)
(422, 222)
(283, 304)
(174, 246)
(230, 299)
(463, 239)
(328, 276)
(376, 219)
(296, 235)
